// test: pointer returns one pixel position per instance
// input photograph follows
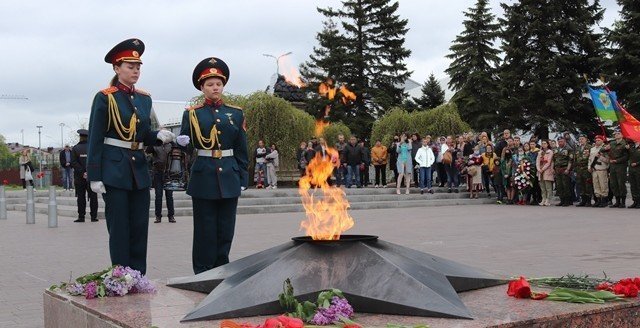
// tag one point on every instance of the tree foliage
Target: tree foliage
(473, 69)
(432, 94)
(548, 46)
(364, 49)
(440, 121)
(624, 41)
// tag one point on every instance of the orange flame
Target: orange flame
(290, 73)
(320, 126)
(327, 216)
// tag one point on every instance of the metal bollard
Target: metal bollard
(53, 208)
(3, 204)
(31, 207)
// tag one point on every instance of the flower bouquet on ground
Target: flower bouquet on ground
(576, 289)
(114, 281)
(331, 309)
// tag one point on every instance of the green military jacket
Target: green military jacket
(618, 152)
(115, 166)
(582, 161)
(562, 157)
(634, 157)
(217, 178)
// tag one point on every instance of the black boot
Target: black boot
(616, 204)
(567, 202)
(633, 205)
(602, 202)
(583, 202)
(622, 203)
(587, 201)
(79, 220)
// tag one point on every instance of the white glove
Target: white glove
(165, 136)
(183, 140)
(243, 188)
(98, 187)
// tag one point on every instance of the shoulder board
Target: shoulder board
(109, 90)
(196, 107)
(142, 92)
(233, 106)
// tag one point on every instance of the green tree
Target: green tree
(368, 52)
(473, 69)
(432, 94)
(7, 159)
(548, 46)
(442, 120)
(624, 41)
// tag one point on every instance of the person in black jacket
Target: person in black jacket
(393, 156)
(159, 156)
(79, 164)
(354, 157)
(65, 163)
(364, 169)
(416, 143)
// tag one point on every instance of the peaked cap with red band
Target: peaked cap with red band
(210, 67)
(126, 51)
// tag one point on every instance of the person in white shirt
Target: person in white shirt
(425, 159)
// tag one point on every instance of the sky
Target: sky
(53, 51)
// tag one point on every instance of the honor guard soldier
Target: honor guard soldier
(598, 166)
(79, 164)
(583, 176)
(562, 164)
(119, 129)
(618, 158)
(216, 131)
(634, 173)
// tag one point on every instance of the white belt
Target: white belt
(124, 144)
(217, 153)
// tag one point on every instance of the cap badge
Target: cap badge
(136, 42)
(213, 61)
(135, 54)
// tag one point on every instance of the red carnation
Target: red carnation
(636, 281)
(5, 182)
(519, 288)
(626, 287)
(604, 286)
(283, 322)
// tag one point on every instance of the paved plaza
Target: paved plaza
(506, 240)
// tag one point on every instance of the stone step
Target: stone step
(186, 202)
(71, 211)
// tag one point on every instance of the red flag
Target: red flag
(629, 125)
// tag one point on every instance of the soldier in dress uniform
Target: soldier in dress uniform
(583, 176)
(634, 173)
(562, 164)
(216, 131)
(79, 164)
(598, 166)
(618, 158)
(119, 129)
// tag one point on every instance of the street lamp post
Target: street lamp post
(278, 60)
(39, 152)
(61, 135)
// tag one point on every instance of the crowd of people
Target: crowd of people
(510, 169)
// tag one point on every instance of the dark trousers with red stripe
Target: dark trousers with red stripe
(214, 222)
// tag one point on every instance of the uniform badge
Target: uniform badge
(213, 61)
(136, 42)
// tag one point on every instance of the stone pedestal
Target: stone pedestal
(490, 307)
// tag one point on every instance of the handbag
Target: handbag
(447, 158)
(27, 173)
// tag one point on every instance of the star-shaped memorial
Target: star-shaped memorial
(374, 275)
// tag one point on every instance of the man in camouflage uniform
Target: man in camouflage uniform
(598, 166)
(634, 173)
(562, 163)
(618, 158)
(583, 176)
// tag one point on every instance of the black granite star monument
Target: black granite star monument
(375, 276)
